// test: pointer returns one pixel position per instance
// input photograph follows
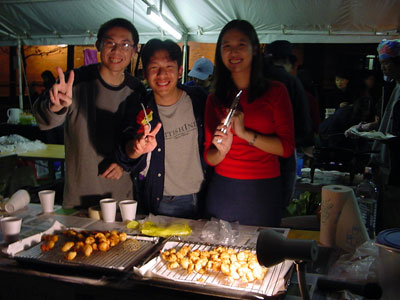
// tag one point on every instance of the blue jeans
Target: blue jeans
(184, 206)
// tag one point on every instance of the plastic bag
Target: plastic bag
(18, 144)
(360, 266)
(160, 226)
(220, 232)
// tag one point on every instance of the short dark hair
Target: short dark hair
(118, 22)
(223, 84)
(173, 49)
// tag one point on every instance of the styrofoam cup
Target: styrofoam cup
(47, 200)
(128, 209)
(108, 209)
(10, 227)
(18, 200)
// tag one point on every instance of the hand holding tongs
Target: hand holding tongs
(231, 113)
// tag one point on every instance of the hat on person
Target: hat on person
(280, 49)
(389, 49)
(202, 68)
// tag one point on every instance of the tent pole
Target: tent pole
(185, 61)
(21, 95)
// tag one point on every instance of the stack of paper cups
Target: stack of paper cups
(341, 223)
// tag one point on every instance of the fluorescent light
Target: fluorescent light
(157, 19)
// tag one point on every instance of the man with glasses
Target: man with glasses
(91, 101)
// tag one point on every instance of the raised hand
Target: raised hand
(223, 141)
(61, 93)
(144, 144)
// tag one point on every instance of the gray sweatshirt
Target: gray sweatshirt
(92, 125)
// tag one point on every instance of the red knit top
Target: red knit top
(270, 114)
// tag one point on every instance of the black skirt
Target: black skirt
(255, 202)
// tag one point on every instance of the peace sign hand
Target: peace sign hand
(61, 93)
(144, 144)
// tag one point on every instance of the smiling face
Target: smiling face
(162, 75)
(115, 59)
(236, 52)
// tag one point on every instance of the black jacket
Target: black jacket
(152, 185)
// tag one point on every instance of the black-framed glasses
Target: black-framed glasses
(108, 44)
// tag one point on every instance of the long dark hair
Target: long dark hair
(223, 84)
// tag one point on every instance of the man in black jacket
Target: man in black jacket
(279, 58)
(167, 158)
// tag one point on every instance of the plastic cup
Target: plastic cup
(128, 209)
(18, 200)
(10, 227)
(47, 200)
(108, 209)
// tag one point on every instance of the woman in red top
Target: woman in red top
(246, 185)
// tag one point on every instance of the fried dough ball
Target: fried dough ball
(70, 233)
(173, 265)
(79, 246)
(87, 250)
(71, 255)
(123, 236)
(114, 240)
(67, 246)
(100, 235)
(190, 268)
(44, 247)
(185, 262)
(103, 246)
(90, 240)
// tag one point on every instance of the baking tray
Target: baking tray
(119, 258)
(273, 285)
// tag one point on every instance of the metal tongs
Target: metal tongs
(231, 113)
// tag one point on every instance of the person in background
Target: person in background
(386, 162)
(389, 57)
(312, 96)
(341, 94)
(201, 74)
(332, 130)
(48, 79)
(91, 101)
(279, 60)
(168, 159)
(246, 185)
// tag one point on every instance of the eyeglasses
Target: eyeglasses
(112, 45)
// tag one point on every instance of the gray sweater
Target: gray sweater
(92, 125)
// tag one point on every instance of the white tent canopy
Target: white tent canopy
(75, 22)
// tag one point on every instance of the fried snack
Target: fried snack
(234, 264)
(103, 246)
(87, 250)
(44, 247)
(86, 242)
(71, 255)
(123, 236)
(67, 246)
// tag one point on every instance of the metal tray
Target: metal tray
(119, 258)
(273, 284)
